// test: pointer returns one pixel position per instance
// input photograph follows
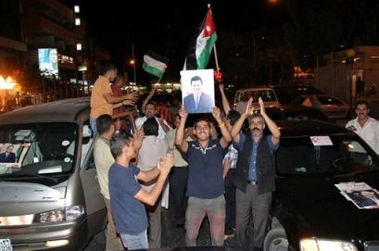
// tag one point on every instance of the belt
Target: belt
(252, 182)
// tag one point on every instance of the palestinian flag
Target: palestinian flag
(155, 64)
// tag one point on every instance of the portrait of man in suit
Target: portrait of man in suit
(8, 156)
(198, 101)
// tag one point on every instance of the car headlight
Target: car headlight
(326, 245)
(60, 214)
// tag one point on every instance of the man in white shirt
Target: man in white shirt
(151, 111)
(364, 125)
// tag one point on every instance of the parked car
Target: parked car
(295, 112)
(287, 93)
(323, 173)
(266, 93)
(332, 106)
(50, 196)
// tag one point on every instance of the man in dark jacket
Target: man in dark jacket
(255, 175)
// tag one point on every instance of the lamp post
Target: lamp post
(133, 63)
(350, 53)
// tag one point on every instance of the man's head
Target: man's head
(362, 109)
(119, 80)
(232, 117)
(110, 71)
(257, 125)
(202, 129)
(197, 85)
(150, 127)
(9, 148)
(105, 126)
(150, 110)
(122, 145)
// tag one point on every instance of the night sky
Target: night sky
(168, 28)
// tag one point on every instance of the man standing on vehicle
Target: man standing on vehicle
(255, 174)
(364, 125)
(102, 98)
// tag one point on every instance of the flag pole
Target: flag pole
(214, 50)
(216, 60)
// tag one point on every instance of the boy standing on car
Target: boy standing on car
(255, 174)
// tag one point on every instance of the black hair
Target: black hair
(196, 78)
(362, 102)
(118, 141)
(233, 116)
(103, 123)
(108, 66)
(150, 127)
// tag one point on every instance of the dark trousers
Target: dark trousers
(251, 217)
(178, 188)
(230, 202)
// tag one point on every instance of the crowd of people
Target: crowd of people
(216, 168)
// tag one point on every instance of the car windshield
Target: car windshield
(339, 154)
(37, 150)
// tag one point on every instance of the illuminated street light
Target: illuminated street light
(5, 85)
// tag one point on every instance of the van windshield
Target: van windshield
(37, 150)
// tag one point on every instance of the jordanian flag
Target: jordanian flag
(201, 46)
(155, 64)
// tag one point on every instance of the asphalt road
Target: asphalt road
(172, 237)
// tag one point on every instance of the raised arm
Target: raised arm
(226, 137)
(144, 103)
(163, 169)
(180, 141)
(127, 99)
(269, 123)
(224, 99)
(238, 125)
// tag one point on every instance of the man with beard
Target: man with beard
(364, 125)
(255, 175)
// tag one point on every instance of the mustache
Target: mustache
(255, 128)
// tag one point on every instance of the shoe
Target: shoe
(228, 236)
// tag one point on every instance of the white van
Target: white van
(49, 195)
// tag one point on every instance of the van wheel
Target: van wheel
(276, 240)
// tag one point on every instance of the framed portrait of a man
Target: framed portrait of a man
(198, 94)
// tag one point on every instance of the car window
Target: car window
(38, 148)
(337, 155)
(329, 100)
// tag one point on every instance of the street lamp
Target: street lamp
(133, 64)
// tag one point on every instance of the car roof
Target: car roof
(65, 110)
(309, 128)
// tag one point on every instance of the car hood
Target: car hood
(315, 207)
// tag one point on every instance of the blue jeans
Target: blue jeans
(135, 241)
(92, 122)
